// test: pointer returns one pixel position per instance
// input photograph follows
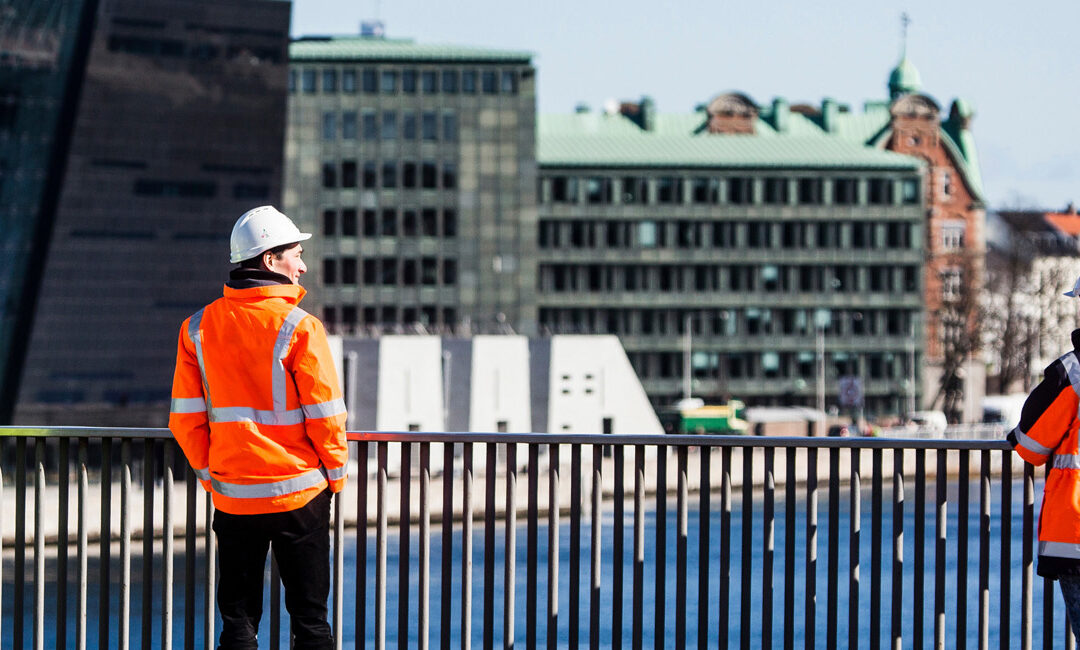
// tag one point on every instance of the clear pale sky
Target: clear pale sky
(1017, 62)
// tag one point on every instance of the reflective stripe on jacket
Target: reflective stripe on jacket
(256, 405)
(1047, 434)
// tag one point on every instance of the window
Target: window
(952, 234)
(389, 125)
(348, 81)
(371, 225)
(646, 234)
(329, 228)
(388, 274)
(449, 175)
(408, 175)
(449, 223)
(348, 125)
(449, 127)
(329, 81)
(428, 126)
(429, 271)
(428, 82)
(428, 175)
(509, 82)
(705, 190)
(368, 80)
(598, 190)
(740, 191)
(449, 271)
(370, 125)
(329, 272)
(389, 174)
(307, 81)
(946, 183)
(468, 82)
(348, 222)
(564, 189)
(408, 81)
(348, 271)
(759, 234)
(450, 81)
(369, 179)
(329, 175)
(389, 223)
(844, 191)
(487, 82)
(329, 126)
(669, 190)
(634, 190)
(880, 191)
(909, 191)
(776, 191)
(388, 81)
(951, 283)
(810, 191)
(429, 222)
(408, 125)
(348, 173)
(371, 276)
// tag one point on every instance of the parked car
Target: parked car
(933, 421)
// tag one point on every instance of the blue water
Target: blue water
(913, 604)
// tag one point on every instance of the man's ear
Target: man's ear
(267, 261)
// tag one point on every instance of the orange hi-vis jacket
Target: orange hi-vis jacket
(256, 405)
(1047, 434)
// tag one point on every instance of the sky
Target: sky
(1017, 63)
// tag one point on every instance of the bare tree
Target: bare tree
(959, 325)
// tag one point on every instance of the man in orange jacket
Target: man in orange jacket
(257, 409)
(1047, 433)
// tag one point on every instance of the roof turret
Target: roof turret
(904, 79)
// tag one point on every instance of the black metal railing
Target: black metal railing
(732, 580)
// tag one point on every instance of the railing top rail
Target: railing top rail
(559, 438)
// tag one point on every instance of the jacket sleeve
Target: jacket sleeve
(315, 375)
(1048, 414)
(188, 419)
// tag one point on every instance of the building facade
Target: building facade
(416, 166)
(177, 132)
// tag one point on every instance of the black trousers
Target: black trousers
(300, 540)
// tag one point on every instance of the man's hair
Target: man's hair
(256, 262)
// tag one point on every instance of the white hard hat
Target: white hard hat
(260, 229)
(1075, 293)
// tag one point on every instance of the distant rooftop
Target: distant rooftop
(374, 48)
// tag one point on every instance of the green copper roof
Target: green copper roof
(904, 79)
(366, 48)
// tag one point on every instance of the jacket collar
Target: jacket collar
(242, 278)
(292, 293)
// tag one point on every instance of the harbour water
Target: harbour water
(912, 603)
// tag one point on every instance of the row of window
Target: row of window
(390, 125)
(390, 174)
(176, 49)
(345, 318)
(769, 365)
(681, 233)
(709, 190)
(389, 271)
(769, 278)
(197, 189)
(389, 222)
(754, 321)
(388, 81)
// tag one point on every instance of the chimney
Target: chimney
(829, 111)
(643, 113)
(780, 111)
(581, 107)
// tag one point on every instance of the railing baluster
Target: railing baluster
(510, 548)
(424, 591)
(942, 518)
(18, 621)
(339, 570)
(489, 548)
(704, 487)
(39, 544)
(984, 552)
(360, 619)
(147, 635)
(855, 538)
(638, 613)
(275, 605)
(811, 545)
(553, 548)
(833, 581)
(618, 508)
(210, 550)
(574, 604)
(789, 552)
(724, 598)
(466, 546)
(962, 551)
(919, 558)
(682, 495)
(190, 482)
(380, 548)
(62, 541)
(876, 498)
(105, 543)
(1027, 556)
(1048, 613)
(125, 544)
(594, 591)
(898, 550)
(167, 549)
(84, 574)
(532, 547)
(747, 563)
(660, 601)
(404, 541)
(769, 547)
(446, 596)
(1006, 551)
